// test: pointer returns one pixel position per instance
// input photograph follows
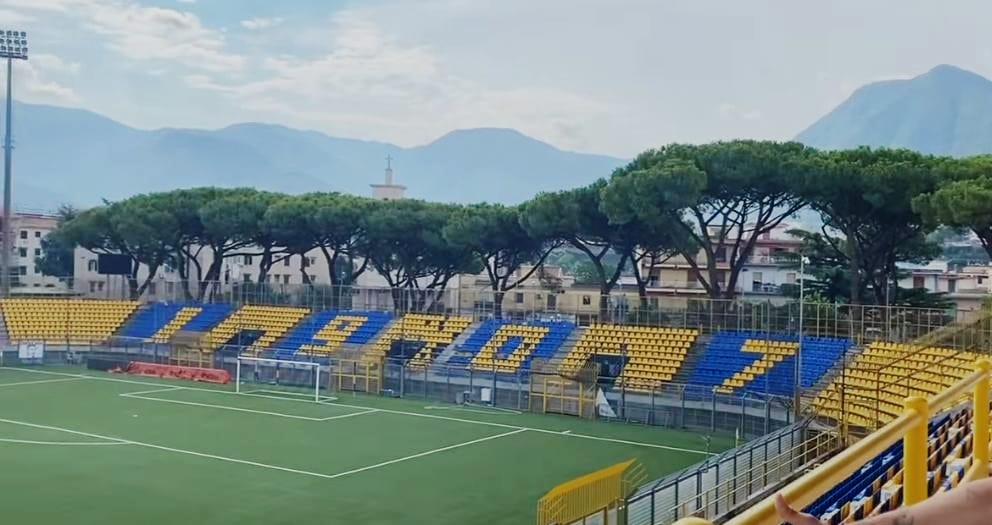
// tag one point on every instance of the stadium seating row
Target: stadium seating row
(322, 333)
(651, 355)
(871, 389)
(433, 332)
(61, 320)
(877, 486)
(509, 346)
(746, 361)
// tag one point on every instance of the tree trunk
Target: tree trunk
(498, 296)
(399, 299)
(265, 265)
(182, 266)
(604, 301)
(213, 274)
(854, 267)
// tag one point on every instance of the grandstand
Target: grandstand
(746, 361)
(649, 356)
(428, 333)
(871, 389)
(76, 321)
(255, 327)
(323, 333)
(508, 346)
(854, 392)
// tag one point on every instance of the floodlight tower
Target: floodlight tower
(13, 46)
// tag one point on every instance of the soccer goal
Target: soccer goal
(256, 375)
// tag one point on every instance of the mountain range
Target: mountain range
(945, 111)
(80, 157)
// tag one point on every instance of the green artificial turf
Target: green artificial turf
(210, 456)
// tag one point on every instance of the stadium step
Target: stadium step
(452, 349)
(691, 360)
(566, 347)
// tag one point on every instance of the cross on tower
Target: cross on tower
(389, 162)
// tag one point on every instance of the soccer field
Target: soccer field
(84, 447)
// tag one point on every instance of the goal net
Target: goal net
(255, 375)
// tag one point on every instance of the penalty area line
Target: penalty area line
(61, 443)
(42, 381)
(226, 459)
(230, 408)
(402, 412)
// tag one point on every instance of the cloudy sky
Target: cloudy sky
(589, 75)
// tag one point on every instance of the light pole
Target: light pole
(13, 46)
(798, 387)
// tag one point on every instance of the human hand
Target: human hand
(792, 516)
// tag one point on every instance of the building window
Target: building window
(92, 286)
(952, 285)
(518, 298)
(37, 234)
(22, 270)
(246, 277)
(22, 252)
(24, 234)
(37, 252)
(285, 262)
(586, 300)
(247, 259)
(99, 286)
(285, 279)
(311, 261)
(91, 265)
(151, 288)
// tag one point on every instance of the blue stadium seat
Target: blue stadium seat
(546, 346)
(352, 327)
(723, 357)
(150, 319)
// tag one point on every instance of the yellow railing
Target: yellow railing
(911, 427)
(739, 488)
(596, 495)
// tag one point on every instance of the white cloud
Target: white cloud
(728, 110)
(9, 18)
(186, 1)
(253, 24)
(30, 84)
(54, 64)
(369, 84)
(148, 33)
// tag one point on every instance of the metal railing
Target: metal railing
(911, 428)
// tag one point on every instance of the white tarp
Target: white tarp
(31, 350)
(603, 407)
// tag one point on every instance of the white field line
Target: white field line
(503, 411)
(157, 390)
(42, 381)
(225, 407)
(169, 449)
(298, 394)
(428, 453)
(60, 443)
(255, 463)
(565, 433)
(342, 416)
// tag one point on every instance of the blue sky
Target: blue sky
(589, 75)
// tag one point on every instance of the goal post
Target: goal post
(277, 377)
